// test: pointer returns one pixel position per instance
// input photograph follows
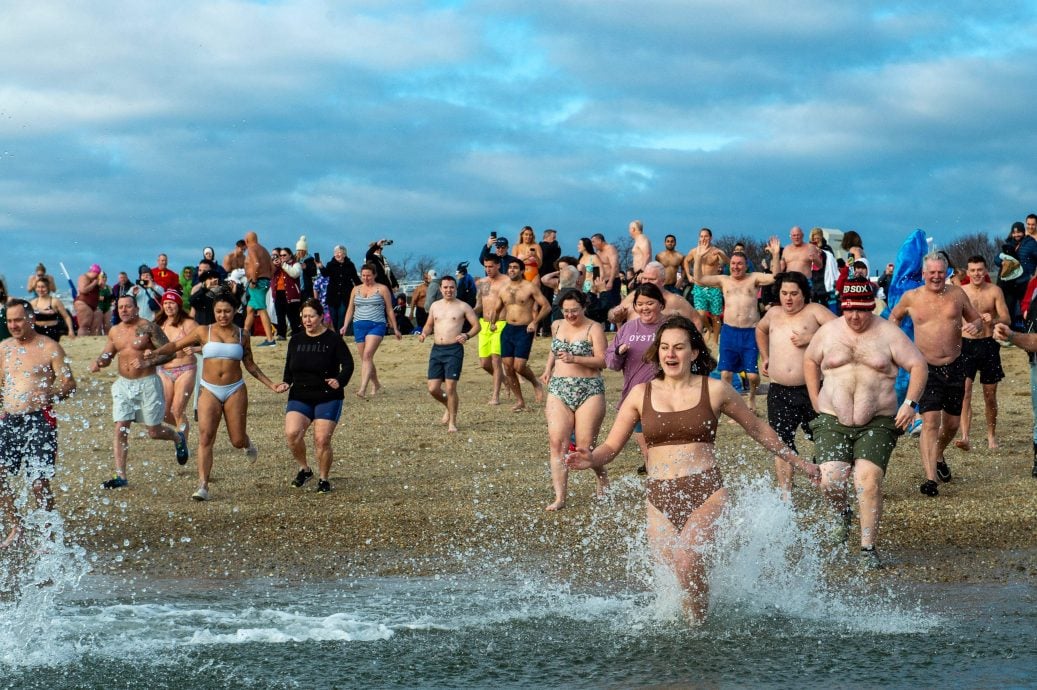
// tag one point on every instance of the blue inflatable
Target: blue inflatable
(907, 275)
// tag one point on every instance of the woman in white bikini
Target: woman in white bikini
(225, 350)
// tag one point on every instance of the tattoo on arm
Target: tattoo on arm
(158, 339)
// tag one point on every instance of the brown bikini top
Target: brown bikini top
(694, 425)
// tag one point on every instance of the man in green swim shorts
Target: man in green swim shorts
(258, 270)
(850, 367)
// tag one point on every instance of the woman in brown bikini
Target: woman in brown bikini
(678, 411)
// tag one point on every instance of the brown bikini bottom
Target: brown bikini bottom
(678, 498)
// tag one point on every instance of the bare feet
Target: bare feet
(557, 505)
(518, 407)
(538, 392)
(445, 419)
(603, 487)
(992, 443)
(452, 429)
(963, 444)
(362, 395)
(493, 401)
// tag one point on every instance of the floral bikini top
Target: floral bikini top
(577, 348)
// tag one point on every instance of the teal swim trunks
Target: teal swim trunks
(257, 294)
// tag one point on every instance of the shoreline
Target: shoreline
(410, 499)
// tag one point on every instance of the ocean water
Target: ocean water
(784, 612)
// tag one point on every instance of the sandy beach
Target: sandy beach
(409, 498)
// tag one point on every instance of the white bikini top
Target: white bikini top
(217, 350)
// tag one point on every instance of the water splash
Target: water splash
(37, 572)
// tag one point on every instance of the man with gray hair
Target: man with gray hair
(940, 312)
(641, 252)
(655, 273)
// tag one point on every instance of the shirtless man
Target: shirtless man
(447, 356)
(655, 273)
(738, 350)
(611, 280)
(258, 271)
(982, 354)
(941, 313)
(523, 306)
(709, 300)
(850, 367)
(34, 374)
(672, 260)
(800, 256)
(782, 336)
(418, 313)
(235, 258)
(641, 252)
(487, 293)
(137, 392)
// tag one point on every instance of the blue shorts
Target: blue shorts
(738, 350)
(362, 329)
(516, 342)
(445, 361)
(330, 410)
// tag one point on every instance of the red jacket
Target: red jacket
(165, 278)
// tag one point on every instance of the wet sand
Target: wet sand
(409, 498)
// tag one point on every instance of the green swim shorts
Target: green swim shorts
(835, 442)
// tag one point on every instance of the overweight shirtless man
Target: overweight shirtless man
(850, 367)
(709, 300)
(655, 273)
(672, 260)
(447, 319)
(523, 306)
(981, 354)
(641, 252)
(800, 256)
(34, 374)
(782, 336)
(941, 313)
(738, 351)
(137, 392)
(487, 293)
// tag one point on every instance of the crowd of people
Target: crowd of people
(809, 318)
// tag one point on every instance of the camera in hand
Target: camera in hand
(316, 256)
(386, 243)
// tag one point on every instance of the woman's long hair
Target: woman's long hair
(702, 365)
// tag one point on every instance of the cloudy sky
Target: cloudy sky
(127, 128)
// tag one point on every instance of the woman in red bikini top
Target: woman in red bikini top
(679, 411)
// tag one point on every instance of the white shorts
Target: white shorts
(138, 400)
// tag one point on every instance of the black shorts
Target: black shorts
(31, 438)
(945, 388)
(445, 361)
(787, 408)
(982, 355)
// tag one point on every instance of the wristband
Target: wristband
(911, 403)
